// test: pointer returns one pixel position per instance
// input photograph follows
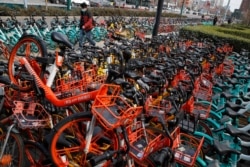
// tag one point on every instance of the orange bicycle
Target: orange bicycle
(43, 70)
(107, 136)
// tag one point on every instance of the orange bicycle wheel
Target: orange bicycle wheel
(36, 155)
(30, 47)
(68, 141)
(13, 154)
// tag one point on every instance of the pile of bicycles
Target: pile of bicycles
(167, 101)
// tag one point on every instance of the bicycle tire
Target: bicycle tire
(36, 155)
(14, 149)
(24, 48)
(203, 127)
(68, 140)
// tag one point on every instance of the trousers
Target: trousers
(85, 36)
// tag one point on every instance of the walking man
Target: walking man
(86, 25)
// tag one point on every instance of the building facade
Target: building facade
(245, 5)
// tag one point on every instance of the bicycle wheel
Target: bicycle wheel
(36, 155)
(68, 141)
(30, 47)
(13, 155)
(203, 127)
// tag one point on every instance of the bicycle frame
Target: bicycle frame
(50, 95)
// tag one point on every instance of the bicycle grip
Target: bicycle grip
(97, 159)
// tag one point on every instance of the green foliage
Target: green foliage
(236, 35)
(62, 11)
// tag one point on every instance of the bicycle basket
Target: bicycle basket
(228, 68)
(197, 108)
(109, 90)
(202, 109)
(79, 82)
(186, 148)
(30, 115)
(113, 111)
(203, 89)
(157, 108)
(12, 95)
(144, 141)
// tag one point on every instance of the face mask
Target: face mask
(84, 10)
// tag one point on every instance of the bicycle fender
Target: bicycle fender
(206, 137)
(201, 162)
(215, 115)
(214, 106)
(213, 123)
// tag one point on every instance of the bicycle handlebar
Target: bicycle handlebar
(106, 156)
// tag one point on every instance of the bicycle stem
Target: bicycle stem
(89, 134)
(53, 70)
(6, 140)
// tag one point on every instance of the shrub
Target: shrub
(239, 38)
(18, 10)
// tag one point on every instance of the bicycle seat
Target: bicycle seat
(139, 63)
(228, 96)
(128, 94)
(5, 80)
(233, 114)
(233, 82)
(155, 76)
(224, 119)
(25, 27)
(222, 86)
(247, 68)
(240, 77)
(132, 75)
(43, 26)
(160, 67)
(8, 28)
(122, 82)
(234, 106)
(61, 38)
(148, 80)
(243, 97)
(235, 132)
(127, 54)
(238, 71)
(224, 149)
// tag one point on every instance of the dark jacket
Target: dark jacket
(86, 20)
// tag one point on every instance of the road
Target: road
(31, 2)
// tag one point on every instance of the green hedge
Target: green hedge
(7, 10)
(238, 37)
